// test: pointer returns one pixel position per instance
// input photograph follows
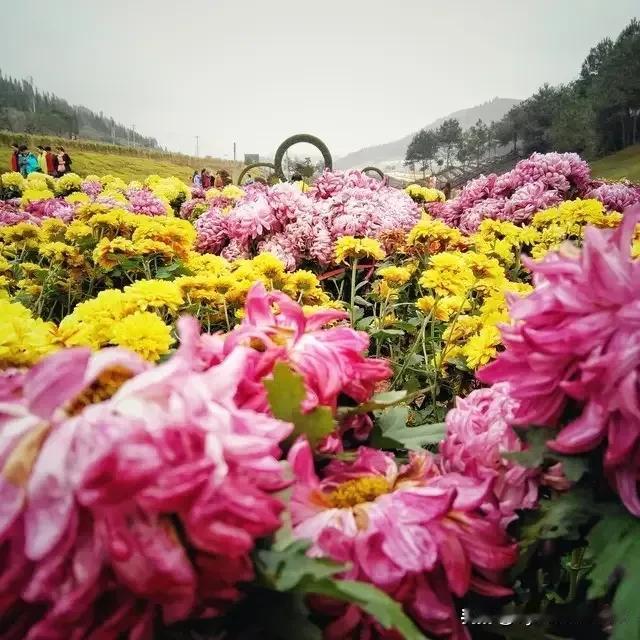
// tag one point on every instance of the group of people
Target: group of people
(205, 180)
(43, 160)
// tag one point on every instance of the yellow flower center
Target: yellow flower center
(101, 389)
(358, 491)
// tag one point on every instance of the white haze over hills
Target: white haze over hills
(391, 154)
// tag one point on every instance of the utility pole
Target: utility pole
(234, 151)
(133, 137)
(197, 147)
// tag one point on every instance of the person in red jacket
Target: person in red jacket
(52, 161)
(15, 150)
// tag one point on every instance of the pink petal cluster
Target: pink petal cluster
(142, 507)
(536, 183)
(300, 226)
(51, 208)
(411, 530)
(35, 212)
(144, 202)
(574, 348)
(479, 431)
(11, 213)
(331, 361)
(615, 196)
(92, 188)
(192, 209)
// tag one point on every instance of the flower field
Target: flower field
(334, 410)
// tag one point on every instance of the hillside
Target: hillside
(23, 107)
(623, 164)
(124, 162)
(396, 150)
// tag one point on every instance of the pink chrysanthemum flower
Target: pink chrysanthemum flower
(479, 431)
(144, 202)
(330, 360)
(615, 196)
(412, 531)
(574, 343)
(130, 493)
(211, 228)
(92, 188)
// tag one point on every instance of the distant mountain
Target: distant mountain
(396, 150)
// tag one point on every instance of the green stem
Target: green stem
(354, 271)
(574, 572)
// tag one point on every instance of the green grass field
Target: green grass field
(129, 164)
(624, 164)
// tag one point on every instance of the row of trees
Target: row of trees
(448, 145)
(596, 114)
(25, 109)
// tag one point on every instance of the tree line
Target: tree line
(23, 108)
(594, 115)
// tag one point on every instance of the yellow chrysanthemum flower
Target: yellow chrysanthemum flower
(23, 339)
(269, 266)
(13, 179)
(232, 191)
(442, 308)
(424, 194)
(53, 229)
(448, 274)
(433, 236)
(62, 253)
(67, 183)
(33, 194)
(462, 328)
(349, 248)
(78, 198)
(199, 288)
(77, 231)
(482, 347)
(154, 294)
(178, 234)
(145, 333)
(395, 276)
(301, 280)
(108, 253)
(207, 262)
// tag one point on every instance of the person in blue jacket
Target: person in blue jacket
(27, 161)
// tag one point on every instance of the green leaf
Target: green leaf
(615, 547)
(376, 603)
(364, 323)
(538, 452)
(285, 392)
(361, 301)
(389, 332)
(574, 467)
(288, 568)
(559, 517)
(382, 400)
(536, 440)
(392, 431)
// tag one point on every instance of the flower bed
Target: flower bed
(223, 411)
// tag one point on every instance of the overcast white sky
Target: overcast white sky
(354, 72)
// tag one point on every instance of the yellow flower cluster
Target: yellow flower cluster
(171, 189)
(140, 317)
(349, 248)
(547, 231)
(23, 338)
(432, 236)
(425, 194)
